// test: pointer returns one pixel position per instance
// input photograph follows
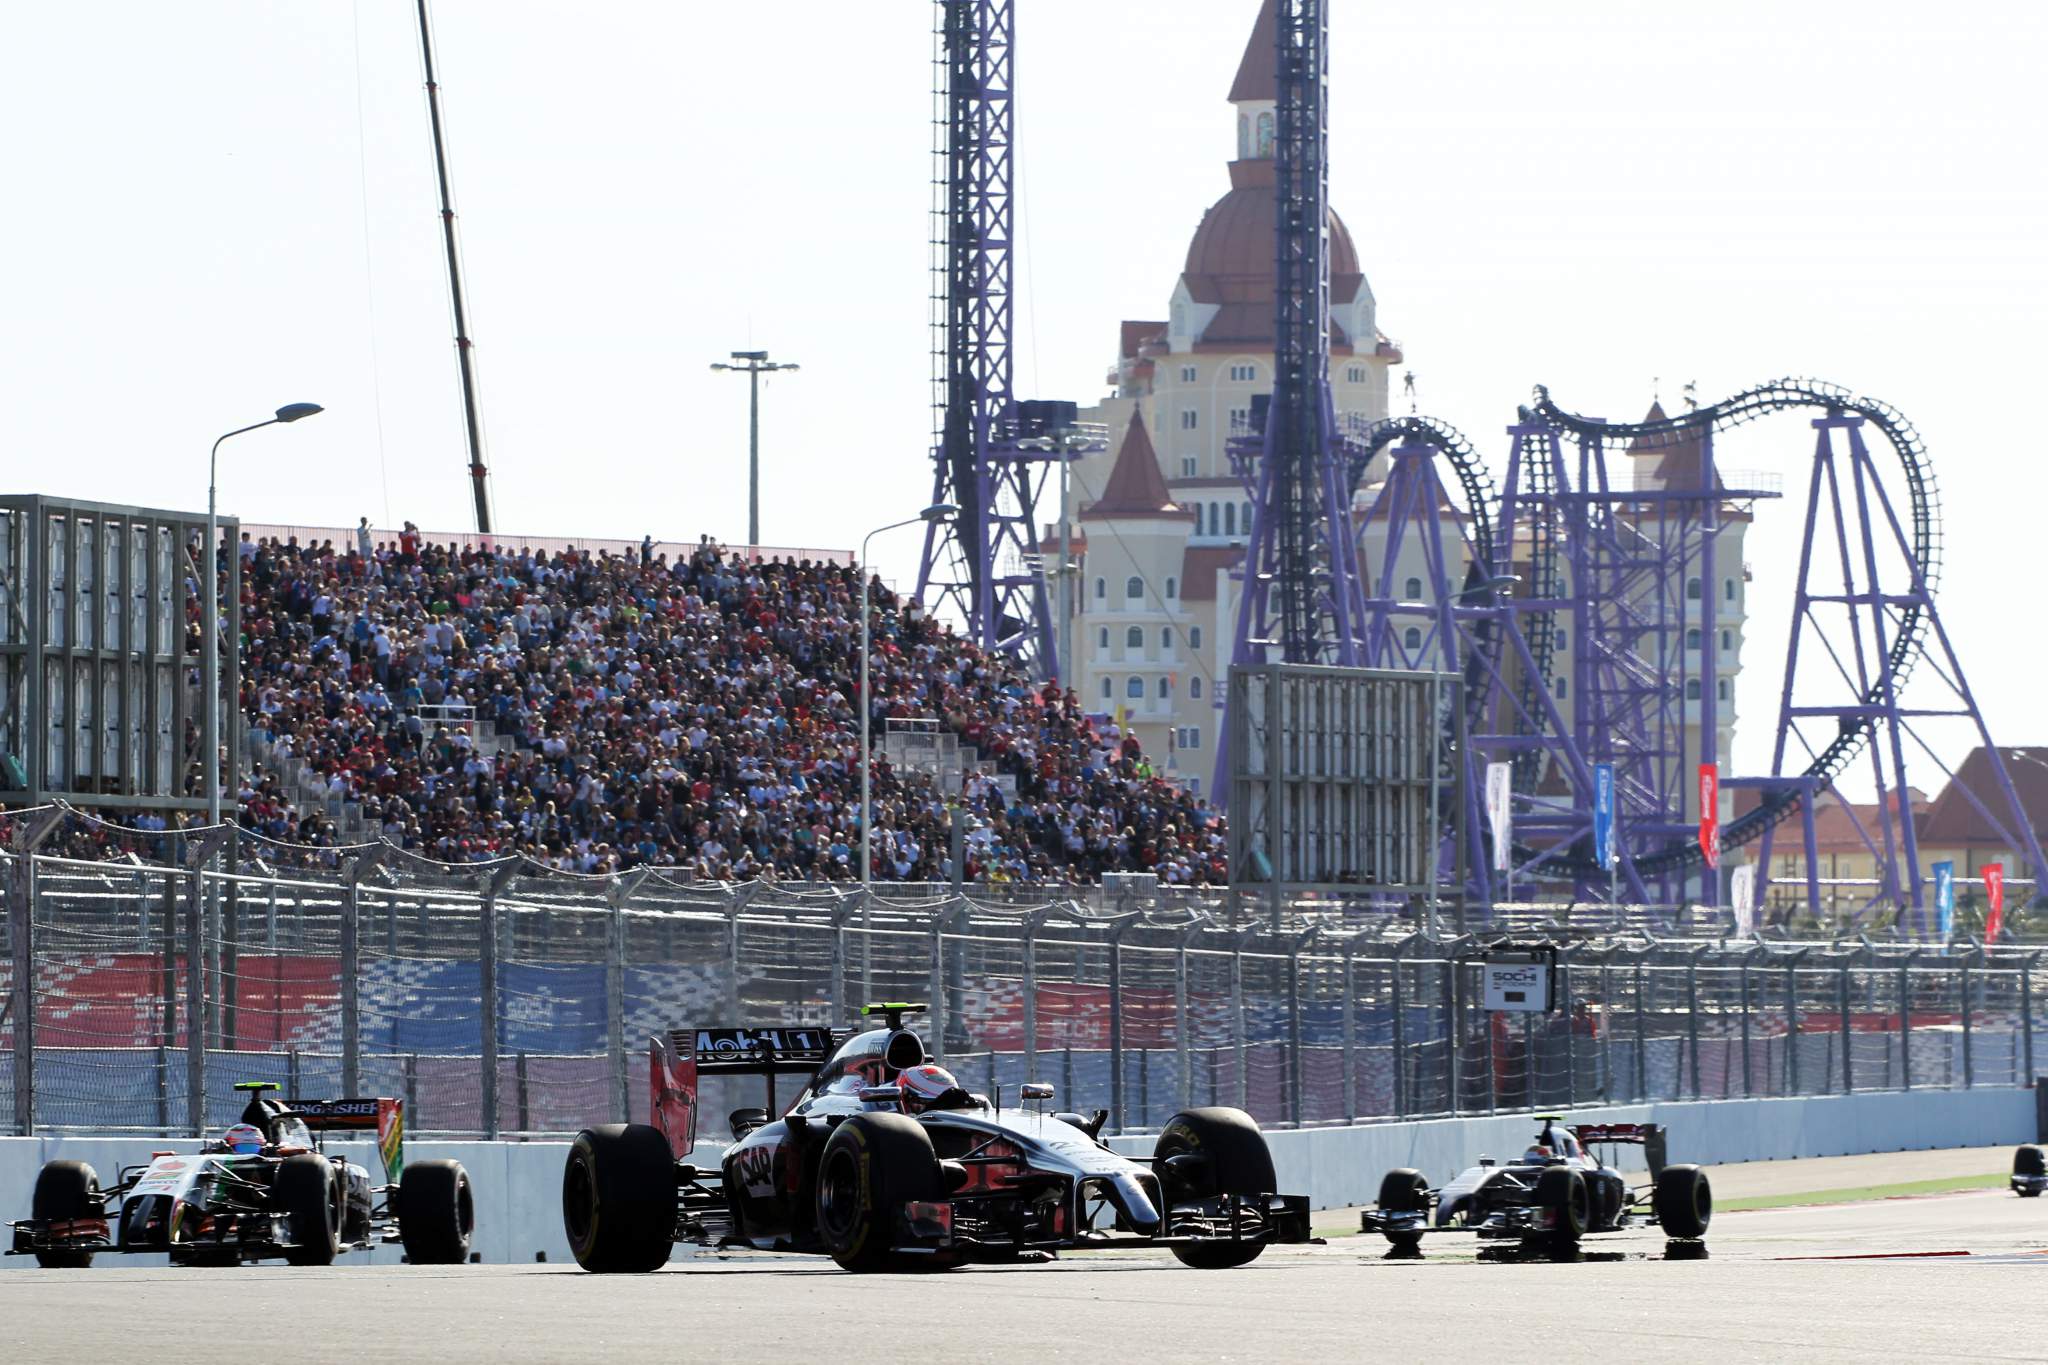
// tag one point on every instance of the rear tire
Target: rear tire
(65, 1192)
(872, 1165)
(1684, 1202)
(619, 1199)
(1404, 1190)
(1562, 1191)
(309, 1195)
(2029, 1160)
(436, 1212)
(1239, 1162)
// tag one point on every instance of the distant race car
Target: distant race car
(1556, 1193)
(2029, 1172)
(883, 1161)
(264, 1190)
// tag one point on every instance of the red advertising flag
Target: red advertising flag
(1710, 813)
(1994, 899)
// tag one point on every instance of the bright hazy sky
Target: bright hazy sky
(216, 208)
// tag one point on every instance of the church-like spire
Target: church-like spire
(1258, 74)
(1136, 488)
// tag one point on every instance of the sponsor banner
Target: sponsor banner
(1603, 814)
(1944, 899)
(1710, 813)
(1742, 893)
(1994, 901)
(1500, 812)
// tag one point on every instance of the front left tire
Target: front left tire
(307, 1190)
(872, 1165)
(1235, 1160)
(436, 1212)
(619, 1198)
(65, 1192)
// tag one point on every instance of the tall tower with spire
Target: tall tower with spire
(1196, 374)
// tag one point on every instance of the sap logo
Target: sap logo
(754, 1169)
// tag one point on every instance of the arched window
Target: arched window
(1194, 637)
(1101, 588)
(1692, 689)
(1229, 518)
(1727, 639)
(1108, 689)
(1135, 689)
(1413, 590)
(1195, 688)
(1165, 689)
(1721, 689)
(1171, 586)
(1134, 638)
(1201, 519)
(1728, 590)
(1265, 147)
(1560, 642)
(1692, 638)
(1134, 588)
(1560, 689)
(1247, 518)
(1692, 590)
(1166, 635)
(1244, 137)
(1102, 641)
(1412, 638)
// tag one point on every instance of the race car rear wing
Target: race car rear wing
(384, 1116)
(1649, 1136)
(679, 1057)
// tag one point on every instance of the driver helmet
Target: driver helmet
(922, 1086)
(244, 1139)
(1539, 1151)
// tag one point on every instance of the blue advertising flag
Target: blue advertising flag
(1603, 814)
(1944, 898)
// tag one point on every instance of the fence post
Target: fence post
(1399, 1009)
(737, 900)
(618, 894)
(1692, 1016)
(1792, 1021)
(1571, 1030)
(231, 942)
(1454, 1032)
(200, 854)
(1350, 1032)
(1969, 1070)
(1296, 1106)
(1116, 1026)
(21, 913)
(937, 1019)
(1848, 1063)
(841, 913)
(490, 885)
(1183, 1046)
(1642, 1094)
(1239, 1034)
(351, 969)
(1031, 923)
(1906, 1021)
(525, 1108)
(1748, 1088)
(2027, 1012)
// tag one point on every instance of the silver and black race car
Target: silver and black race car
(1556, 1193)
(863, 1169)
(2029, 1172)
(281, 1197)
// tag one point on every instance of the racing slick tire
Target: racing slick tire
(1562, 1191)
(65, 1191)
(310, 1197)
(1684, 1202)
(1239, 1162)
(872, 1165)
(1404, 1190)
(436, 1212)
(619, 1198)
(2029, 1161)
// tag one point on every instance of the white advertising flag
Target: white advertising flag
(1499, 812)
(1742, 891)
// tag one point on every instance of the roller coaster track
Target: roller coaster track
(1910, 627)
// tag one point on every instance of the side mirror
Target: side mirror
(880, 1094)
(1035, 1090)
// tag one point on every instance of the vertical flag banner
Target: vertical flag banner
(1710, 813)
(1994, 900)
(1603, 814)
(1500, 812)
(1944, 899)
(1742, 891)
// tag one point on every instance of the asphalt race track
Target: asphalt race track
(1957, 1277)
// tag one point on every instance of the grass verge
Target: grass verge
(1861, 1193)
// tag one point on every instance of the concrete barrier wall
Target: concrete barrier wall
(518, 1184)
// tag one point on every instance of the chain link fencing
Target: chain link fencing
(141, 982)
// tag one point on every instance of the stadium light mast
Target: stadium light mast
(756, 364)
(209, 604)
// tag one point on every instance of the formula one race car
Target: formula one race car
(1555, 1194)
(2029, 1172)
(265, 1189)
(884, 1162)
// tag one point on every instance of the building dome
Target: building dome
(1230, 262)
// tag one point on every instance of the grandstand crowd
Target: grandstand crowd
(699, 712)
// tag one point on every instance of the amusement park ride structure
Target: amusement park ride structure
(1572, 568)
